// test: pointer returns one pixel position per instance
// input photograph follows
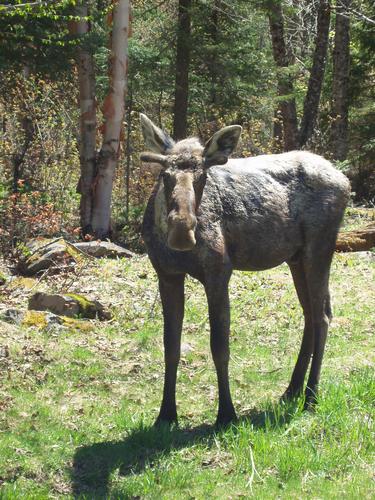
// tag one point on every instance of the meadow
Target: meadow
(77, 404)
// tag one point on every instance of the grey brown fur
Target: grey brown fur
(209, 215)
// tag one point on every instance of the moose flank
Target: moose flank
(209, 215)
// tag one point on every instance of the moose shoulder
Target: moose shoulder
(209, 214)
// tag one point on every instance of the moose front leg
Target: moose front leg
(219, 312)
(172, 296)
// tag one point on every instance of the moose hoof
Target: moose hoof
(290, 394)
(309, 405)
(225, 420)
(310, 400)
(163, 420)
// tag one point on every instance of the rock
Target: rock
(103, 249)
(6, 328)
(4, 351)
(53, 323)
(41, 319)
(58, 304)
(30, 318)
(14, 316)
(365, 255)
(69, 304)
(40, 254)
(21, 283)
(186, 348)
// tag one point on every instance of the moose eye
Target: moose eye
(168, 178)
(200, 179)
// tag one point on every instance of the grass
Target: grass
(77, 407)
(358, 217)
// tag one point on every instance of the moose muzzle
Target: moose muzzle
(181, 231)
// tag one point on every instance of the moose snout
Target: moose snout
(181, 231)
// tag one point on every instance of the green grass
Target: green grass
(77, 407)
(358, 217)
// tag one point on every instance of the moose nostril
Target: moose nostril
(183, 221)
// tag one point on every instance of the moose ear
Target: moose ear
(156, 140)
(221, 145)
(154, 158)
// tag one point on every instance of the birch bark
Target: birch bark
(87, 103)
(113, 112)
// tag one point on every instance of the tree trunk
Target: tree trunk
(182, 70)
(213, 56)
(128, 154)
(287, 104)
(356, 241)
(27, 128)
(113, 112)
(311, 103)
(18, 158)
(277, 131)
(87, 103)
(340, 85)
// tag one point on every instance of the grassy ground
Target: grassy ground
(357, 217)
(77, 406)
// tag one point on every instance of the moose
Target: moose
(209, 215)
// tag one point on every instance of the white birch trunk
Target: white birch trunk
(113, 112)
(87, 103)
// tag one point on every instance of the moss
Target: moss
(3, 278)
(25, 283)
(87, 308)
(75, 254)
(35, 318)
(76, 324)
(23, 250)
(32, 258)
(41, 247)
(39, 320)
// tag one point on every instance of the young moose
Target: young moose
(209, 215)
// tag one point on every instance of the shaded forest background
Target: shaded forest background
(194, 66)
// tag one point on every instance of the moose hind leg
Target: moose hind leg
(318, 279)
(172, 297)
(219, 313)
(298, 377)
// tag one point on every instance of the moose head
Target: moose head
(184, 172)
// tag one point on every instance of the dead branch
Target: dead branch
(356, 241)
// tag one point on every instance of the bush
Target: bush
(24, 216)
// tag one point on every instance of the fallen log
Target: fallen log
(356, 241)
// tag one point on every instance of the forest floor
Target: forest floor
(77, 405)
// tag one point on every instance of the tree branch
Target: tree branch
(40, 3)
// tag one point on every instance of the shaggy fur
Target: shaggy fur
(249, 214)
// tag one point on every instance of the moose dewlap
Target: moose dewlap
(209, 214)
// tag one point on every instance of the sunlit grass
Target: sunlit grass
(76, 408)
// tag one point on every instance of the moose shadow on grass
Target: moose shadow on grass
(144, 446)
